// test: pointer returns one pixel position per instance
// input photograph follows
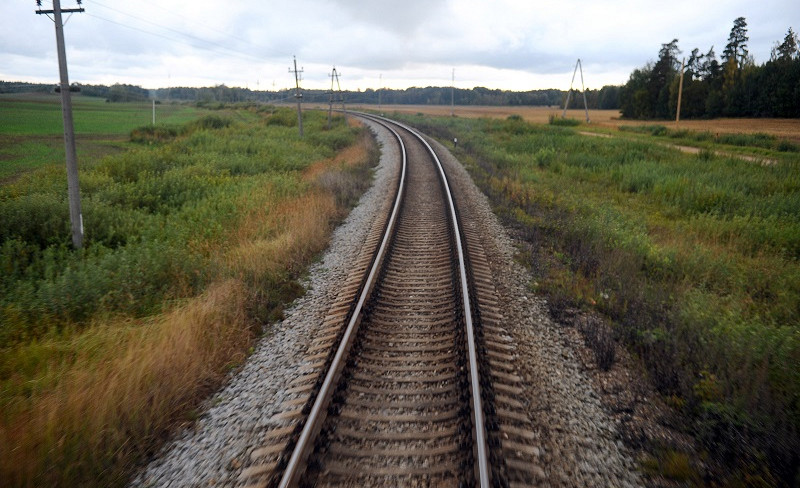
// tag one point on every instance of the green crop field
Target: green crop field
(31, 128)
(25, 114)
(693, 258)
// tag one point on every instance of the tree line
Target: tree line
(733, 86)
(604, 98)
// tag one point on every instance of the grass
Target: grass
(694, 258)
(194, 241)
(31, 128)
(757, 140)
(26, 114)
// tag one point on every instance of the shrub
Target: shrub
(559, 121)
(150, 134)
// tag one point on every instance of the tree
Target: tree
(633, 97)
(664, 71)
(736, 49)
(788, 49)
(693, 65)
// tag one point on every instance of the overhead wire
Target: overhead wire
(181, 16)
(191, 42)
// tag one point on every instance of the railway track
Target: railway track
(410, 381)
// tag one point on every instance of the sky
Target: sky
(507, 44)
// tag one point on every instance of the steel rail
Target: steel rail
(477, 407)
(317, 414)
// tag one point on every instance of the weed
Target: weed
(559, 121)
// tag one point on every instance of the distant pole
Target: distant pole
(452, 95)
(380, 87)
(680, 94)
(297, 94)
(73, 188)
(154, 111)
(339, 87)
(583, 88)
(330, 97)
(569, 93)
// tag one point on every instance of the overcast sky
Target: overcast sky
(507, 44)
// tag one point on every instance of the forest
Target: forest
(732, 86)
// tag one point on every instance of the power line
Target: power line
(213, 47)
(155, 24)
(181, 16)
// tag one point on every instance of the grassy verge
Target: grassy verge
(757, 143)
(695, 259)
(194, 242)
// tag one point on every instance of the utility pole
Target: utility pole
(583, 87)
(452, 95)
(380, 88)
(297, 95)
(334, 78)
(680, 94)
(73, 189)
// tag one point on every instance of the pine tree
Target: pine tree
(736, 49)
(788, 49)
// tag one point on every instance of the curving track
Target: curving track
(410, 383)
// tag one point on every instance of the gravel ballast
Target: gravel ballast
(579, 440)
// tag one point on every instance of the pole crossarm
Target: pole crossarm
(63, 11)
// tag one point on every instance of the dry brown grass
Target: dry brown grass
(785, 128)
(124, 384)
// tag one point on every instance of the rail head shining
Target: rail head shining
(317, 414)
(482, 453)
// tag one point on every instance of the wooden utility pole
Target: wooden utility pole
(380, 88)
(297, 94)
(73, 189)
(680, 94)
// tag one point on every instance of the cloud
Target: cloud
(503, 43)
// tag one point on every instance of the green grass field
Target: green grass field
(694, 258)
(32, 130)
(25, 114)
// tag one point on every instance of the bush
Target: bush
(559, 121)
(150, 134)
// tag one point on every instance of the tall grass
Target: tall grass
(193, 244)
(695, 259)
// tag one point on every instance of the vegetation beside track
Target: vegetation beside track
(694, 258)
(195, 237)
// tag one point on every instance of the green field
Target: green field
(195, 235)
(25, 114)
(32, 130)
(694, 259)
